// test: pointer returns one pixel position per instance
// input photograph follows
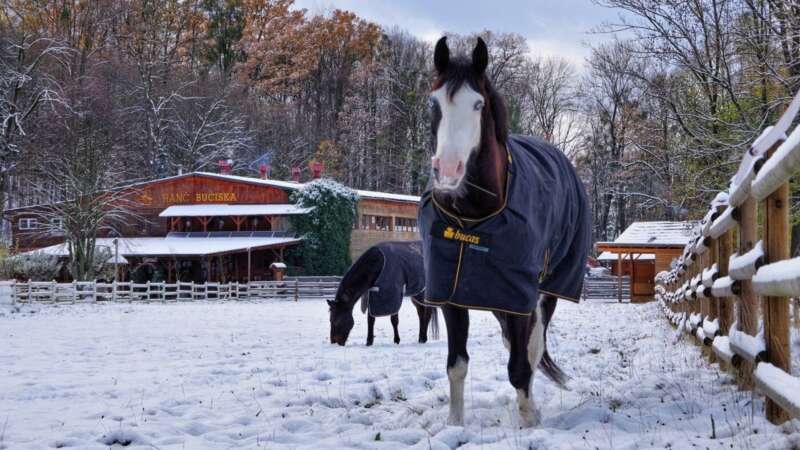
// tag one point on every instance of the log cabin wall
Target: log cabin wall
(382, 220)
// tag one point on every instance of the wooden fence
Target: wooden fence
(733, 284)
(90, 291)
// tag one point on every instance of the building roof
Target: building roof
(217, 210)
(657, 234)
(609, 256)
(285, 185)
(294, 186)
(178, 246)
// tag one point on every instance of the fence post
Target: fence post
(30, 290)
(776, 309)
(748, 301)
(725, 304)
(114, 291)
(296, 290)
(711, 311)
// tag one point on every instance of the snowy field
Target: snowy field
(263, 375)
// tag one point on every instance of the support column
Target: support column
(776, 309)
(747, 316)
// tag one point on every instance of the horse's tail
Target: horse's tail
(547, 365)
(435, 323)
(552, 371)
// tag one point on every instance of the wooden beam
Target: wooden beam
(619, 277)
(725, 305)
(747, 316)
(204, 221)
(238, 220)
(776, 309)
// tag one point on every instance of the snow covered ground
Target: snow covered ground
(263, 375)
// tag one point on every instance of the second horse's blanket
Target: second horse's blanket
(402, 275)
(538, 242)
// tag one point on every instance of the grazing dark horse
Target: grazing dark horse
(505, 227)
(381, 277)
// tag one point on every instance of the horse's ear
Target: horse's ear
(441, 55)
(480, 57)
(330, 303)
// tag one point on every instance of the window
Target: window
(28, 223)
(405, 224)
(380, 223)
(57, 224)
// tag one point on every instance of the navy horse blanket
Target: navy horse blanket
(537, 243)
(402, 275)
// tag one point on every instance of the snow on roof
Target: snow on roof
(277, 265)
(176, 246)
(292, 185)
(608, 256)
(657, 233)
(232, 210)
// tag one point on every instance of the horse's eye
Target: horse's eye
(479, 105)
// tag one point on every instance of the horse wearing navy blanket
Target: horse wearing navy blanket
(382, 277)
(505, 227)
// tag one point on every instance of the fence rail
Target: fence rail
(732, 288)
(607, 288)
(90, 291)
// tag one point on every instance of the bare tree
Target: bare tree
(206, 130)
(94, 201)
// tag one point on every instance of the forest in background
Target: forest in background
(95, 94)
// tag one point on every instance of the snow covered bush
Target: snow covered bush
(31, 266)
(326, 228)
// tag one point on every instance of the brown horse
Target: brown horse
(471, 194)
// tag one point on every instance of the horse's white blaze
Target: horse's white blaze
(456, 375)
(458, 135)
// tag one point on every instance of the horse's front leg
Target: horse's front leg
(370, 330)
(424, 315)
(395, 322)
(521, 333)
(457, 323)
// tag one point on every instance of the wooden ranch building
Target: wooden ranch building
(643, 250)
(219, 227)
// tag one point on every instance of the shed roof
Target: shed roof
(609, 256)
(218, 210)
(657, 233)
(178, 246)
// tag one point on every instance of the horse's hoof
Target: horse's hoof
(397, 340)
(369, 343)
(530, 418)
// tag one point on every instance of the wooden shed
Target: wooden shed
(643, 250)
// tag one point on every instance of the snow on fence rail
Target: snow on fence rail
(723, 311)
(90, 291)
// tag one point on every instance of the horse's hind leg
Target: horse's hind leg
(424, 315)
(520, 332)
(395, 322)
(370, 330)
(457, 323)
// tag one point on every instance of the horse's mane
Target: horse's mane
(360, 276)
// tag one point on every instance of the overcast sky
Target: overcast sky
(552, 27)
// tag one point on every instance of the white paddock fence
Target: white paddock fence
(732, 287)
(90, 291)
